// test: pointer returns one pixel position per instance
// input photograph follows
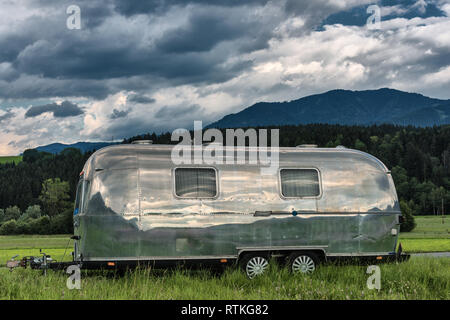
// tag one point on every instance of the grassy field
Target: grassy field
(29, 245)
(419, 278)
(9, 159)
(34, 241)
(430, 235)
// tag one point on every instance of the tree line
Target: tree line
(419, 159)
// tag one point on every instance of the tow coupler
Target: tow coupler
(43, 263)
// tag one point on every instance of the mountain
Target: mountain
(345, 107)
(82, 146)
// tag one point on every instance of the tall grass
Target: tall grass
(419, 278)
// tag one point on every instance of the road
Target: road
(432, 254)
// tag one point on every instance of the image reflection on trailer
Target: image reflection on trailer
(134, 205)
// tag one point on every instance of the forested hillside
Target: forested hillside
(418, 157)
(345, 107)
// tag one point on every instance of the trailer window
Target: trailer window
(195, 182)
(78, 198)
(299, 183)
(80, 201)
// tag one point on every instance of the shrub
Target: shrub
(40, 225)
(57, 224)
(408, 223)
(33, 212)
(9, 227)
(23, 227)
(11, 213)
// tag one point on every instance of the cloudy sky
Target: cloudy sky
(142, 66)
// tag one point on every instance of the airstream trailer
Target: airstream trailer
(134, 205)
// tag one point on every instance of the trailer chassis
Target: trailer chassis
(46, 262)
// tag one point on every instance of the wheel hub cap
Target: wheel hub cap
(303, 264)
(256, 266)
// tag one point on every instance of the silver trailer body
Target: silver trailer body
(127, 208)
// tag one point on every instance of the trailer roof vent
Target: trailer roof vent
(142, 142)
(307, 146)
(341, 147)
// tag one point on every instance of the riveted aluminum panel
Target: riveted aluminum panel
(132, 210)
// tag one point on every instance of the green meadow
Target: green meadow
(418, 278)
(29, 245)
(432, 234)
(9, 159)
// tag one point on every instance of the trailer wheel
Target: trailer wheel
(302, 262)
(254, 264)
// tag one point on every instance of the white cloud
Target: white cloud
(442, 77)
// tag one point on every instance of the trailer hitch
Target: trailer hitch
(11, 264)
(42, 263)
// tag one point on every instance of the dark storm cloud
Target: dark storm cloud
(202, 34)
(96, 60)
(32, 87)
(65, 109)
(105, 59)
(93, 12)
(182, 54)
(23, 35)
(408, 9)
(116, 114)
(102, 56)
(207, 28)
(137, 98)
(133, 7)
(177, 111)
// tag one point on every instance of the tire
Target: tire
(302, 262)
(254, 264)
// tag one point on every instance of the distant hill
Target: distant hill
(345, 107)
(82, 146)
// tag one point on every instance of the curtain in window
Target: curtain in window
(195, 182)
(299, 183)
